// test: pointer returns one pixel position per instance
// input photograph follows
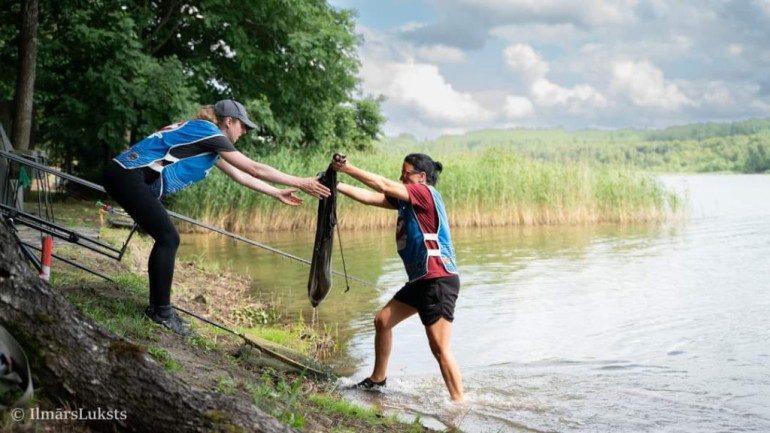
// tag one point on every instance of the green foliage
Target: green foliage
(251, 316)
(110, 72)
(98, 89)
(132, 283)
(9, 33)
(331, 405)
(485, 186)
(122, 315)
(164, 358)
(758, 158)
(280, 398)
(197, 341)
(702, 131)
(730, 147)
(226, 385)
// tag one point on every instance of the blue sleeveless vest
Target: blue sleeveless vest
(155, 152)
(411, 241)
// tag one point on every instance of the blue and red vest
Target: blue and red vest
(155, 152)
(412, 242)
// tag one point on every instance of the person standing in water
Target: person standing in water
(174, 158)
(425, 246)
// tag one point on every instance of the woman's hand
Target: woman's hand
(340, 163)
(311, 185)
(287, 197)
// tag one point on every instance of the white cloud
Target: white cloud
(591, 48)
(764, 5)
(553, 34)
(410, 26)
(422, 87)
(517, 106)
(614, 63)
(645, 86)
(441, 54)
(717, 94)
(576, 99)
(724, 97)
(762, 106)
(524, 59)
(530, 64)
(586, 12)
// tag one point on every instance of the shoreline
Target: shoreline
(212, 359)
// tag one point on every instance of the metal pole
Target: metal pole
(261, 347)
(176, 215)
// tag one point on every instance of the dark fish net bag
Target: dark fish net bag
(320, 281)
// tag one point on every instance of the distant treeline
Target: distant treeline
(740, 147)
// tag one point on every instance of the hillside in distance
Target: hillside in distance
(742, 147)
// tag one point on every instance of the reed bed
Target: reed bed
(495, 188)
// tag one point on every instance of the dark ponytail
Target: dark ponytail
(423, 162)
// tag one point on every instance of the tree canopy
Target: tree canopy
(110, 72)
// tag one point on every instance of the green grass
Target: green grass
(162, 356)
(226, 385)
(122, 316)
(494, 187)
(332, 405)
(67, 277)
(197, 341)
(255, 316)
(133, 283)
(298, 336)
(281, 399)
(201, 262)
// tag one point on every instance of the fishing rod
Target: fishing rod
(261, 347)
(178, 216)
(261, 245)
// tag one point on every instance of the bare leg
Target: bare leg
(439, 335)
(391, 315)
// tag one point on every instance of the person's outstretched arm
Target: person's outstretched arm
(364, 196)
(309, 185)
(285, 196)
(374, 181)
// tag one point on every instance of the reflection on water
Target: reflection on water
(590, 328)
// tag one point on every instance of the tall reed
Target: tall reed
(496, 187)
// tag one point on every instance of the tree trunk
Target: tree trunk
(75, 360)
(25, 83)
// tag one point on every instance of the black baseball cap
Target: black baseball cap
(233, 108)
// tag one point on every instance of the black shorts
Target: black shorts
(433, 299)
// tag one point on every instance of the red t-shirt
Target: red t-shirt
(422, 202)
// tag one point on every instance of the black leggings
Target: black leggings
(130, 188)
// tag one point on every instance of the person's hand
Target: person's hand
(287, 197)
(312, 186)
(339, 162)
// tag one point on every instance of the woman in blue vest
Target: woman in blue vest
(425, 246)
(174, 158)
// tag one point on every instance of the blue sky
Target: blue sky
(452, 66)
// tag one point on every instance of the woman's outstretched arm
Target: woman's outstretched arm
(364, 196)
(374, 181)
(285, 196)
(309, 185)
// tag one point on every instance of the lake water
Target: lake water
(655, 328)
